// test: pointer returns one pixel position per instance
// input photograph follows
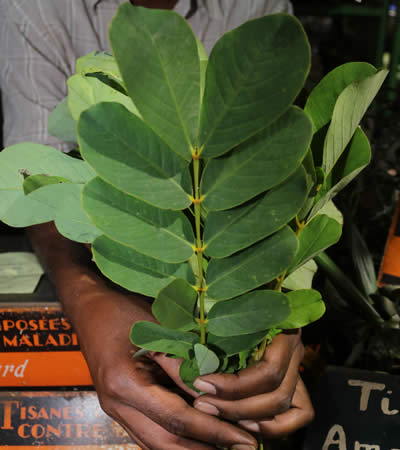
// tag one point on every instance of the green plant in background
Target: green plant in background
(201, 185)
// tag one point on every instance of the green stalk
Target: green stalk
(199, 245)
(259, 354)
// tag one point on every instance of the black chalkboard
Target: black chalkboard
(355, 410)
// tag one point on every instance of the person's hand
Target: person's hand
(137, 393)
(268, 398)
(134, 392)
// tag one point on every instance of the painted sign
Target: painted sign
(58, 420)
(38, 347)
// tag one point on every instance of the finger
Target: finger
(149, 435)
(265, 376)
(139, 391)
(171, 367)
(258, 406)
(299, 415)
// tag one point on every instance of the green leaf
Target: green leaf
(350, 107)
(189, 371)
(207, 360)
(33, 159)
(84, 92)
(302, 277)
(306, 306)
(72, 221)
(251, 268)
(134, 271)
(232, 345)
(162, 73)
(127, 153)
(350, 164)
(203, 57)
(162, 234)
(250, 313)
(253, 75)
(156, 338)
(38, 207)
(363, 262)
(321, 102)
(320, 233)
(228, 231)
(61, 124)
(258, 164)
(175, 304)
(95, 62)
(34, 182)
(330, 210)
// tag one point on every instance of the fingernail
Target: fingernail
(207, 408)
(250, 425)
(203, 386)
(243, 447)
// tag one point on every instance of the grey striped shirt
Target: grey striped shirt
(40, 41)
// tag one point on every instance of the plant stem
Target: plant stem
(199, 245)
(259, 354)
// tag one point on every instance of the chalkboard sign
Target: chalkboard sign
(355, 410)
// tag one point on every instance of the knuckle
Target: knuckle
(107, 406)
(174, 424)
(284, 402)
(231, 414)
(273, 378)
(112, 384)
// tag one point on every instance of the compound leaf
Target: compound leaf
(175, 304)
(349, 110)
(34, 159)
(161, 234)
(258, 164)
(207, 360)
(252, 267)
(135, 271)
(250, 313)
(127, 153)
(306, 306)
(229, 231)
(156, 338)
(253, 75)
(321, 102)
(162, 73)
(84, 92)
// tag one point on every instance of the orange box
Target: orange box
(58, 420)
(39, 348)
(390, 268)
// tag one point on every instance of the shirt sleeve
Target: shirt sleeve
(33, 71)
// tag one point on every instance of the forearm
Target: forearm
(84, 293)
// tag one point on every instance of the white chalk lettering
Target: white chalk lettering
(336, 436)
(385, 407)
(358, 446)
(366, 388)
